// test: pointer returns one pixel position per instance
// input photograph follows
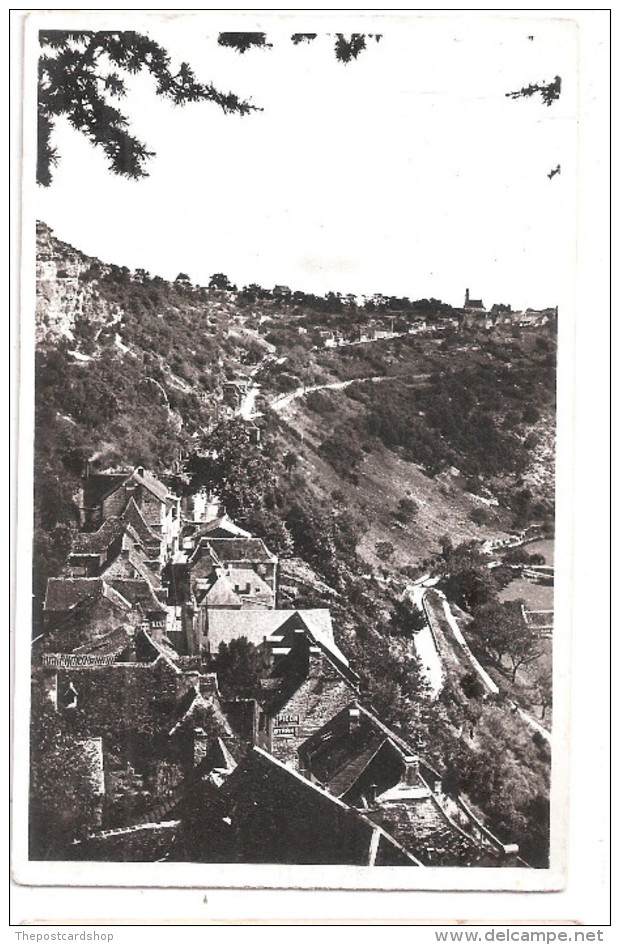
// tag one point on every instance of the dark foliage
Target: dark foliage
(348, 49)
(298, 38)
(549, 91)
(240, 666)
(243, 41)
(82, 73)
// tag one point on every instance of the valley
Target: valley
(366, 468)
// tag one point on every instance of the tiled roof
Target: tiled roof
(163, 647)
(418, 823)
(154, 486)
(203, 548)
(225, 524)
(345, 777)
(242, 577)
(133, 516)
(319, 623)
(261, 768)
(88, 543)
(258, 625)
(204, 711)
(111, 644)
(242, 549)
(339, 755)
(137, 591)
(63, 594)
(99, 486)
(139, 564)
(220, 594)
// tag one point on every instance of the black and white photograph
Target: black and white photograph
(294, 302)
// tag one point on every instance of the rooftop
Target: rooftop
(241, 549)
(90, 543)
(219, 594)
(65, 593)
(260, 625)
(137, 591)
(223, 524)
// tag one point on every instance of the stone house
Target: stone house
(364, 763)
(266, 813)
(308, 686)
(106, 495)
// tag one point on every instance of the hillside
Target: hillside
(131, 369)
(363, 464)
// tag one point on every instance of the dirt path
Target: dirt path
(285, 400)
(424, 644)
(247, 410)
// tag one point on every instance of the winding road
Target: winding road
(284, 400)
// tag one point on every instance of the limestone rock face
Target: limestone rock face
(64, 299)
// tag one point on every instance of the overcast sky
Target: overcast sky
(407, 171)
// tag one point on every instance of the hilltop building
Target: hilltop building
(473, 305)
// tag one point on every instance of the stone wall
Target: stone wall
(320, 696)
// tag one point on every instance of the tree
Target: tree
(501, 631)
(240, 666)
(235, 468)
(243, 41)
(407, 510)
(470, 587)
(220, 281)
(81, 73)
(407, 618)
(523, 648)
(290, 461)
(542, 690)
(384, 550)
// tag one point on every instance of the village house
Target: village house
(310, 683)
(294, 769)
(361, 761)
(115, 549)
(234, 573)
(266, 813)
(106, 495)
(161, 726)
(235, 391)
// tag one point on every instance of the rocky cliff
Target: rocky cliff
(64, 297)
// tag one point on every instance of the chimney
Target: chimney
(200, 745)
(466, 297)
(208, 684)
(315, 661)
(186, 682)
(371, 794)
(353, 719)
(412, 769)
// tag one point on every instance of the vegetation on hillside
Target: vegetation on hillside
(147, 388)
